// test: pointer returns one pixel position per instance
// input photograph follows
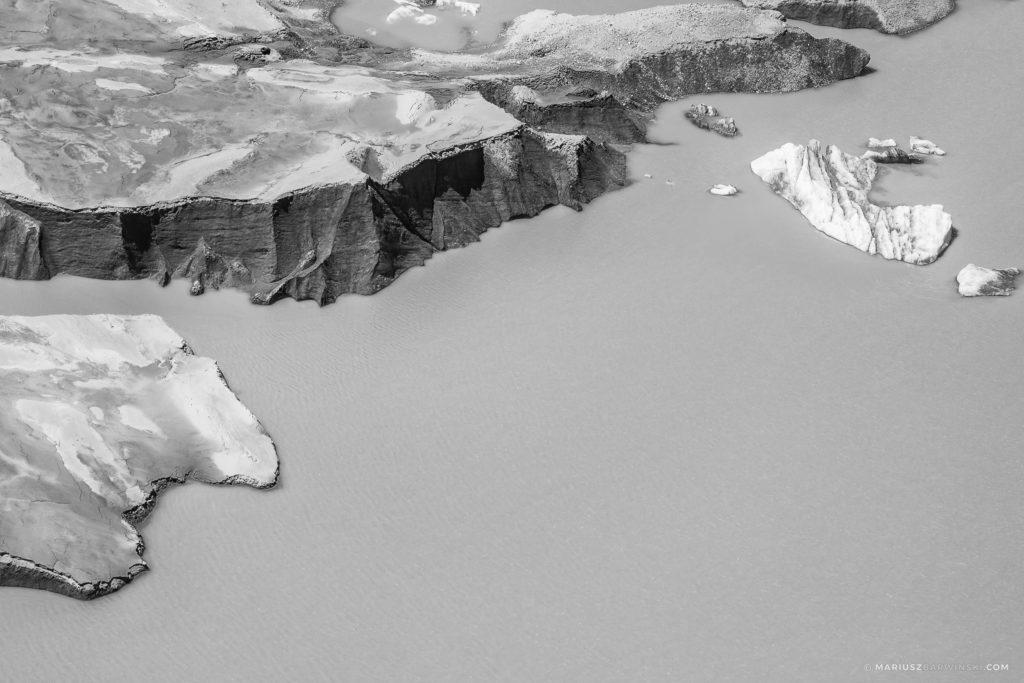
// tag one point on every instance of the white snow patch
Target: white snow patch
(209, 71)
(205, 17)
(875, 143)
(412, 105)
(81, 448)
(14, 177)
(108, 84)
(154, 136)
(134, 418)
(80, 62)
(411, 13)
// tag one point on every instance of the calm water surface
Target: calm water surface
(674, 437)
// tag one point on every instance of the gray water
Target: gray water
(674, 437)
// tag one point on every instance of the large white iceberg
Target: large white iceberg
(830, 188)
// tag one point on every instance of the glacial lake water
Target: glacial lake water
(674, 437)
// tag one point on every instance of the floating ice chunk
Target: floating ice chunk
(875, 143)
(71, 61)
(211, 71)
(707, 117)
(830, 188)
(412, 13)
(922, 146)
(975, 280)
(723, 190)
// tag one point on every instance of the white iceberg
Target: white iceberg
(830, 188)
(922, 146)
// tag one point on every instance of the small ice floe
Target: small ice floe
(974, 280)
(670, 182)
(648, 175)
(723, 190)
(708, 118)
(922, 146)
(875, 143)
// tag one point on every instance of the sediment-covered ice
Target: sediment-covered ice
(830, 188)
(975, 280)
(707, 117)
(97, 414)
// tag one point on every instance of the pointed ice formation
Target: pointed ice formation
(830, 188)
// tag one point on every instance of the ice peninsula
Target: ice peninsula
(98, 413)
(254, 145)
